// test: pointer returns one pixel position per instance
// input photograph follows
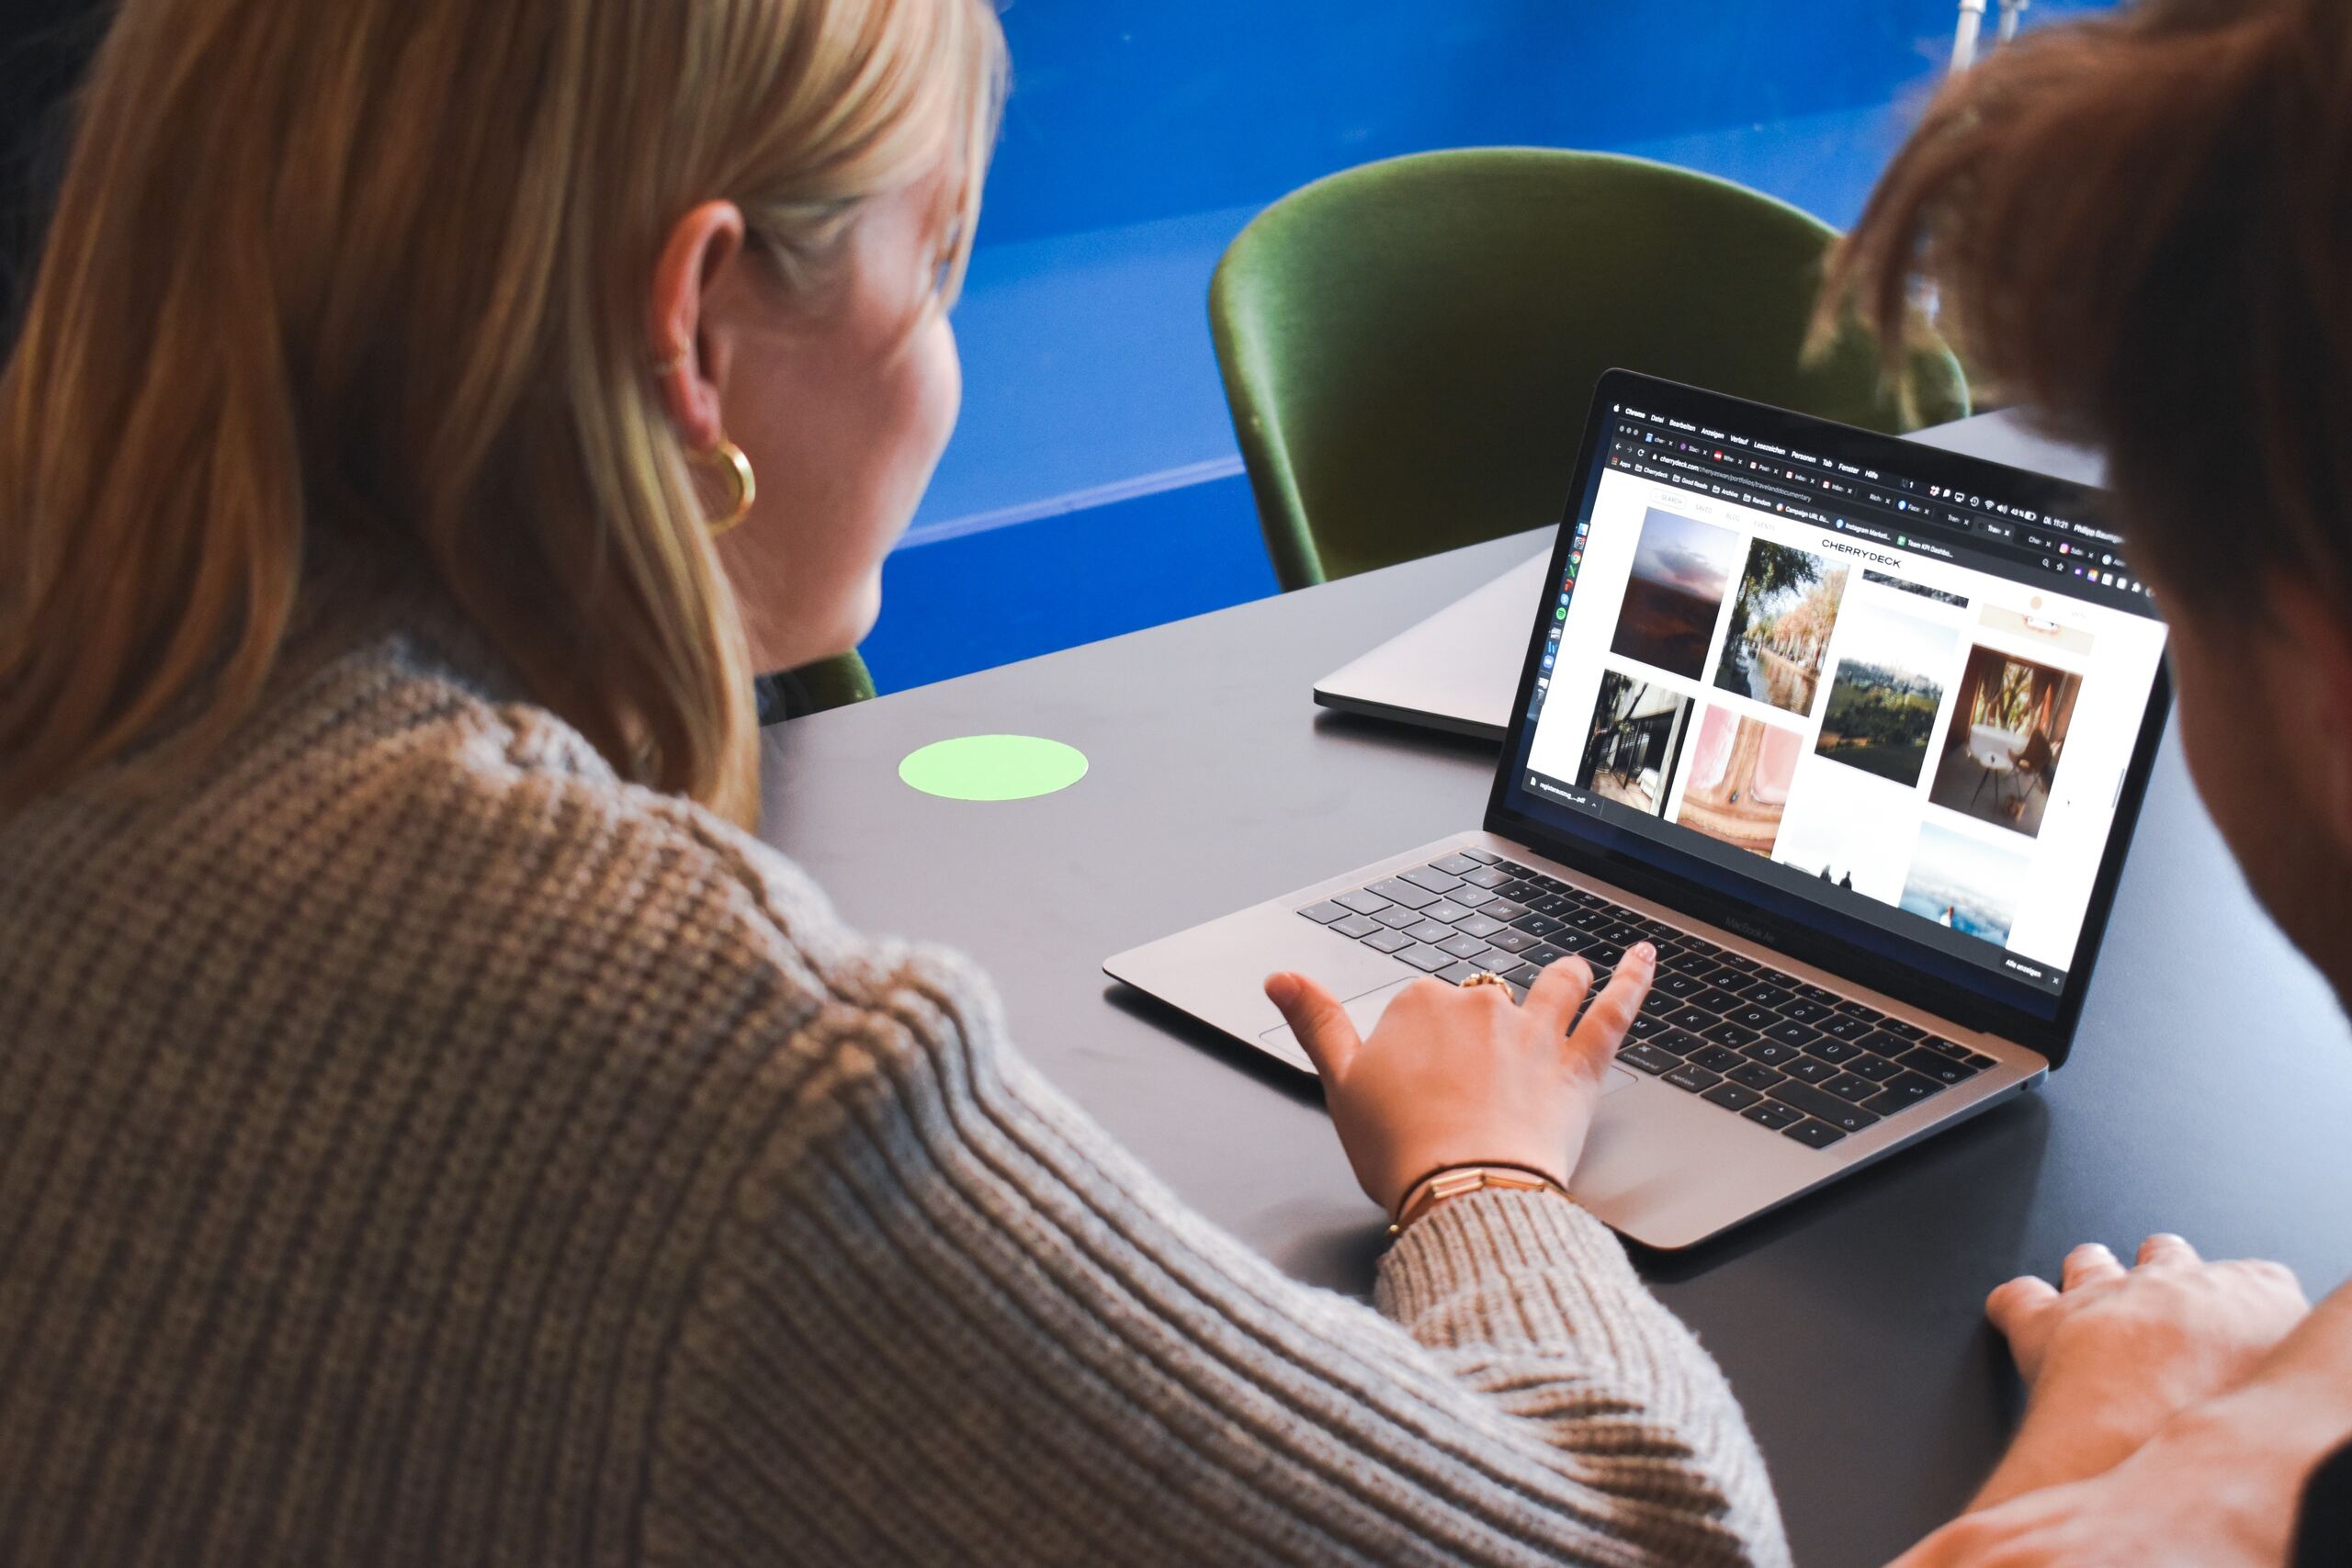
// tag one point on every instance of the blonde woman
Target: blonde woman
(430, 1129)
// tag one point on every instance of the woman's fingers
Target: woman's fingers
(1325, 1030)
(1558, 991)
(2087, 1264)
(2166, 1247)
(1612, 1011)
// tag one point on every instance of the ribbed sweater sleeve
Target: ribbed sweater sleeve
(944, 1319)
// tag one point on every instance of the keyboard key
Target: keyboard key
(1428, 930)
(1913, 1087)
(1515, 868)
(1809, 1069)
(1755, 1075)
(1454, 974)
(1747, 1015)
(1697, 1080)
(1878, 1069)
(1324, 913)
(1942, 1068)
(1676, 1041)
(1794, 1034)
(1716, 1058)
(1731, 1097)
(1538, 926)
(1805, 1011)
(1907, 1031)
(1471, 897)
(1356, 926)
(1479, 926)
(1502, 909)
(1481, 856)
(1385, 941)
(1771, 1052)
(1676, 986)
(1814, 1134)
(1850, 1087)
(1644, 1055)
(1827, 1107)
(1396, 916)
(1835, 1051)
(1645, 1026)
(1511, 941)
(1445, 909)
(1521, 889)
(1772, 1115)
(1455, 865)
(1978, 1060)
(1843, 1026)
(1523, 975)
(1767, 992)
(1363, 901)
(1722, 1003)
(1542, 953)
(1740, 962)
(1730, 1034)
(1692, 1019)
(1465, 947)
(1817, 995)
(1600, 954)
(1403, 892)
(1943, 1047)
(1883, 1042)
(1422, 956)
(1429, 879)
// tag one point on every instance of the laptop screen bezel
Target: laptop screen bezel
(1801, 938)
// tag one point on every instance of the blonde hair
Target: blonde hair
(368, 282)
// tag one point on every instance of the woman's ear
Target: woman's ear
(690, 348)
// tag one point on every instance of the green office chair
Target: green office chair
(1409, 347)
(828, 683)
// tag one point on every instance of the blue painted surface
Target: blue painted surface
(1090, 486)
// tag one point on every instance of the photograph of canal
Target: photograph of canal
(1781, 620)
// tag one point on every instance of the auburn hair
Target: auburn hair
(368, 282)
(2140, 226)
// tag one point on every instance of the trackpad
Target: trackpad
(1364, 1012)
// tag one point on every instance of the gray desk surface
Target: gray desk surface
(2210, 1092)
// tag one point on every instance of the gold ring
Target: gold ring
(1486, 978)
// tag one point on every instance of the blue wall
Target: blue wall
(1138, 139)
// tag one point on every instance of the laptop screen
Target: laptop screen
(1883, 693)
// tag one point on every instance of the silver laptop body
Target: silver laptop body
(1849, 973)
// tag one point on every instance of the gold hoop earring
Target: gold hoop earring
(747, 484)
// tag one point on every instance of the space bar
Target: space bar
(1829, 1107)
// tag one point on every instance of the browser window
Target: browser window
(1911, 706)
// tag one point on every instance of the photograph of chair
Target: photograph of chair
(2004, 740)
(1781, 622)
(1682, 570)
(1740, 772)
(1638, 729)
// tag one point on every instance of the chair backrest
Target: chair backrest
(1409, 347)
(828, 683)
(2035, 757)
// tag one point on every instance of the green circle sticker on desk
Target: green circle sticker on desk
(992, 767)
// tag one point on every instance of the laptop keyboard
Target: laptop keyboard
(1765, 1045)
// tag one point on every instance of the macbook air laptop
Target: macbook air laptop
(1451, 672)
(1854, 730)
(1455, 671)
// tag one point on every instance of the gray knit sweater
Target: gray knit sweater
(418, 1147)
